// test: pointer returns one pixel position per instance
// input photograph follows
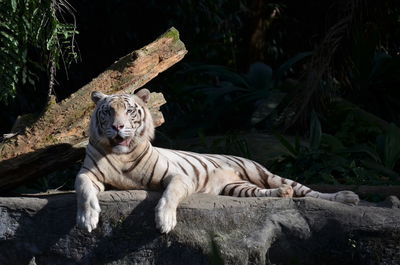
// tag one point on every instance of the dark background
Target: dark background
(298, 59)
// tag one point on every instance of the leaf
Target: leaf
(259, 76)
(14, 5)
(315, 131)
(391, 146)
(381, 169)
(371, 152)
(332, 142)
(379, 62)
(297, 145)
(292, 150)
(280, 73)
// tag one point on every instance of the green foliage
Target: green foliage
(32, 37)
(384, 155)
(357, 59)
(374, 80)
(227, 100)
(351, 127)
(231, 144)
(325, 158)
(214, 27)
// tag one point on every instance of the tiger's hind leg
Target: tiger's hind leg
(300, 190)
(276, 186)
(232, 185)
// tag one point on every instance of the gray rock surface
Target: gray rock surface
(41, 230)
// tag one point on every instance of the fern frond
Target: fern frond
(33, 34)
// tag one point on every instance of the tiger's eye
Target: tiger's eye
(129, 111)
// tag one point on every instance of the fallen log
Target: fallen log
(58, 138)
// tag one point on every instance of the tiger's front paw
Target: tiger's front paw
(165, 216)
(285, 191)
(88, 214)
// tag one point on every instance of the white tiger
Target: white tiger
(120, 154)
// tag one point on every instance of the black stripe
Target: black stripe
(264, 176)
(165, 174)
(144, 114)
(147, 161)
(223, 190)
(99, 111)
(233, 183)
(152, 172)
(205, 180)
(243, 169)
(91, 171)
(98, 127)
(143, 169)
(253, 192)
(144, 151)
(143, 130)
(240, 192)
(248, 193)
(203, 164)
(212, 161)
(232, 190)
(138, 159)
(195, 170)
(105, 156)
(96, 166)
(130, 152)
(183, 169)
(200, 161)
(144, 122)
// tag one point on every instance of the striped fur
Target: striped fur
(120, 155)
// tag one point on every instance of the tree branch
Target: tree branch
(63, 126)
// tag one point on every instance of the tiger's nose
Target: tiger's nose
(117, 127)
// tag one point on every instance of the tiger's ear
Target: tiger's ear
(143, 94)
(97, 96)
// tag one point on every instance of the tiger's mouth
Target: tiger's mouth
(118, 140)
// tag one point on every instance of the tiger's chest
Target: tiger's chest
(123, 175)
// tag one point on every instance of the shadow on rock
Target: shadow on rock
(131, 238)
(37, 234)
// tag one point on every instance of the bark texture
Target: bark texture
(41, 230)
(58, 137)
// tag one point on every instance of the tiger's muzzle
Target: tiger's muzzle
(119, 140)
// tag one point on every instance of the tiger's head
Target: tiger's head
(121, 121)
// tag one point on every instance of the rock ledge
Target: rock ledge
(41, 230)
